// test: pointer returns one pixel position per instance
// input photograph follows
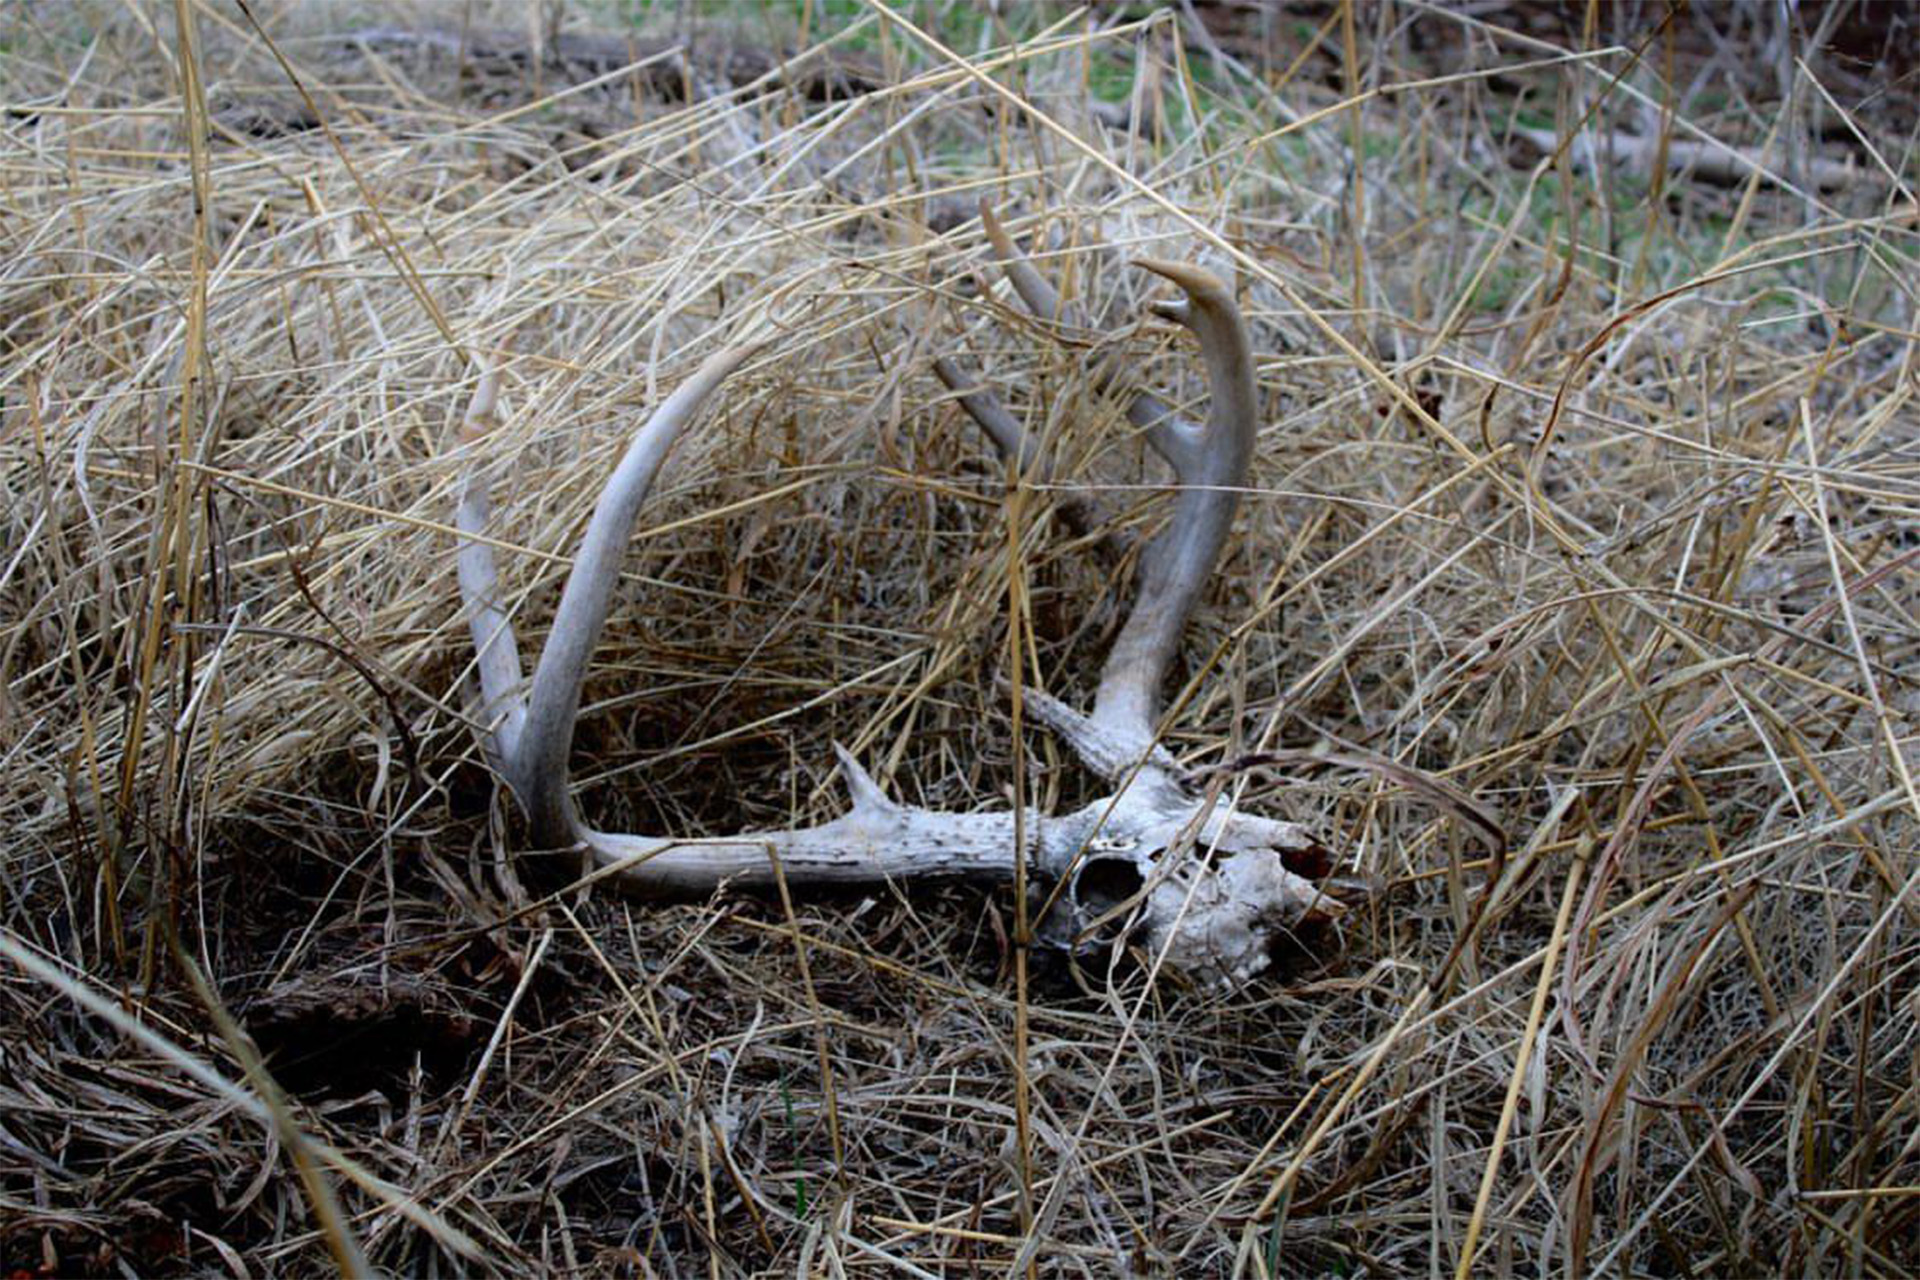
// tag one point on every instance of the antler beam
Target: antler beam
(1209, 460)
(1205, 885)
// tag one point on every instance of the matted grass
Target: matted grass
(1594, 492)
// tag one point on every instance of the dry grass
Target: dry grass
(1599, 498)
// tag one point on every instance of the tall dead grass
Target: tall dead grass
(1591, 489)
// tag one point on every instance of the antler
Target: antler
(1209, 460)
(535, 735)
(531, 732)
(1212, 919)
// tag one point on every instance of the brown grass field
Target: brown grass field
(1587, 486)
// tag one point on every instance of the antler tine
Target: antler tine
(496, 649)
(1008, 437)
(1015, 445)
(1041, 298)
(554, 702)
(536, 733)
(1168, 433)
(992, 417)
(1212, 463)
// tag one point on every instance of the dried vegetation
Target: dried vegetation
(1587, 488)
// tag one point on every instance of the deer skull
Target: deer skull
(1204, 887)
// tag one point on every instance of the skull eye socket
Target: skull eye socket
(1101, 888)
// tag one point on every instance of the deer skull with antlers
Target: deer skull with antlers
(1204, 886)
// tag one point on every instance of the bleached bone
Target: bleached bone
(1203, 884)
